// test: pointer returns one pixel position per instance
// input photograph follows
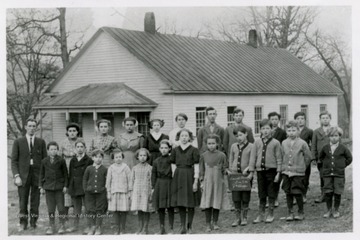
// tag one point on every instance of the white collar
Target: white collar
(183, 147)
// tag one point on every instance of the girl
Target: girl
(118, 185)
(161, 182)
(239, 163)
(212, 170)
(186, 178)
(103, 141)
(141, 185)
(130, 141)
(152, 141)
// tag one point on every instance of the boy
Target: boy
(334, 158)
(229, 138)
(296, 157)
(77, 168)
(265, 158)
(280, 135)
(319, 140)
(53, 181)
(277, 132)
(211, 127)
(94, 182)
(239, 159)
(306, 134)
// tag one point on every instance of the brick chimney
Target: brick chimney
(149, 23)
(252, 38)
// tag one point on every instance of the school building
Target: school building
(121, 73)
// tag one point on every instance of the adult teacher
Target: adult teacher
(130, 141)
(27, 153)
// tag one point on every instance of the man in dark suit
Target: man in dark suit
(27, 153)
(211, 127)
(306, 134)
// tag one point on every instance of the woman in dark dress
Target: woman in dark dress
(185, 181)
(152, 141)
(161, 176)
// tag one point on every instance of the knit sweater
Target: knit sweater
(295, 158)
(334, 164)
(272, 155)
(94, 179)
(234, 157)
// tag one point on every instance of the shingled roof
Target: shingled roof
(98, 95)
(193, 65)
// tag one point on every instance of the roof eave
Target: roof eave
(248, 93)
(96, 106)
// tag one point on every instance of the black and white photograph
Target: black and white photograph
(152, 119)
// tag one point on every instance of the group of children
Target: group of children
(181, 178)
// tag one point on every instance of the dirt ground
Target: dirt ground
(313, 223)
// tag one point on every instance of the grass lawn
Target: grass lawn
(313, 223)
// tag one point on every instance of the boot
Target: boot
(336, 213)
(208, 227)
(327, 214)
(237, 218)
(270, 216)
(261, 215)
(98, 230)
(92, 230)
(182, 229)
(189, 229)
(299, 216)
(244, 221)
(290, 216)
(216, 226)
(162, 229)
(74, 227)
(61, 229)
(50, 230)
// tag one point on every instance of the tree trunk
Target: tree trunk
(63, 38)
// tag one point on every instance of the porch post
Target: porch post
(67, 117)
(95, 118)
(127, 113)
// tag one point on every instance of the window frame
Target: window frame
(284, 117)
(199, 122)
(258, 121)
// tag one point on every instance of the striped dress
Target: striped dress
(141, 185)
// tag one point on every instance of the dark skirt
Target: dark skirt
(162, 193)
(182, 189)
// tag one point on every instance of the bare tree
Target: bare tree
(37, 48)
(331, 51)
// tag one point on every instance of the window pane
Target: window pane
(200, 118)
(230, 115)
(143, 118)
(304, 109)
(258, 117)
(323, 107)
(284, 115)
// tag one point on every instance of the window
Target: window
(323, 107)
(284, 115)
(76, 118)
(230, 115)
(143, 118)
(304, 109)
(200, 117)
(258, 118)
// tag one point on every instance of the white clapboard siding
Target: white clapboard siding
(188, 104)
(107, 61)
(58, 126)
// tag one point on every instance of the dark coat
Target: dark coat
(53, 176)
(279, 134)
(306, 134)
(333, 165)
(204, 132)
(319, 140)
(20, 158)
(76, 174)
(94, 180)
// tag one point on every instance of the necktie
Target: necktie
(31, 145)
